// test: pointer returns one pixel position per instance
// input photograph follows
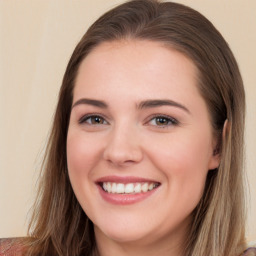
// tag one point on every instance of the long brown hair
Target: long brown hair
(59, 226)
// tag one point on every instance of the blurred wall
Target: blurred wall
(36, 40)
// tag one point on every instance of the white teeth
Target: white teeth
(113, 188)
(129, 188)
(105, 186)
(144, 187)
(119, 188)
(109, 187)
(151, 186)
(137, 188)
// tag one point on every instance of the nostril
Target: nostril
(122, 155)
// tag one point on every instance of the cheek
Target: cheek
(183, 160)
(81, 154)
(182, 154)
(76, 160)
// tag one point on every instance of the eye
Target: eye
(93, 120)
(162, 121)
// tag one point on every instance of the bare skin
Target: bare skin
(137, 114)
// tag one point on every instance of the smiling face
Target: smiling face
(139, 142)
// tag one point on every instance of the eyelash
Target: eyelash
(170, 120)
(85, 118)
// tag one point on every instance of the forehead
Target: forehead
(145, 64)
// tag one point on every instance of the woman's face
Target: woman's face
(139, 142)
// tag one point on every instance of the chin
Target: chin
(123, 234)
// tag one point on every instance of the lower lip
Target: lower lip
(125, 199)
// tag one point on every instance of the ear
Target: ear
(216, 154)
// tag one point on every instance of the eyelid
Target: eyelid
(90, 115)
(173, 120)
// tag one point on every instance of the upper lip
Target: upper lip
(124, 180)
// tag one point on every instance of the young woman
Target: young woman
(145, 155)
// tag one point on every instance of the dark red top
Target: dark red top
(12, 247)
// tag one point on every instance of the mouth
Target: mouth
(126, 190)
(129, 188)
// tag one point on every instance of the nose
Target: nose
(123, 147)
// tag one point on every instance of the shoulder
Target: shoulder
(11, 247)
(250, 252)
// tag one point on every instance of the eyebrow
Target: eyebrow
(96, 103)
(142, 105)
(159, 103)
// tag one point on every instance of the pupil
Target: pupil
(97, 120)
(161, 121)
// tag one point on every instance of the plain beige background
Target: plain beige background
(37, 38)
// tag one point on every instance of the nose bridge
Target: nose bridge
(123, 144)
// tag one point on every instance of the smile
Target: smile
(129, 188)
(126, 190)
